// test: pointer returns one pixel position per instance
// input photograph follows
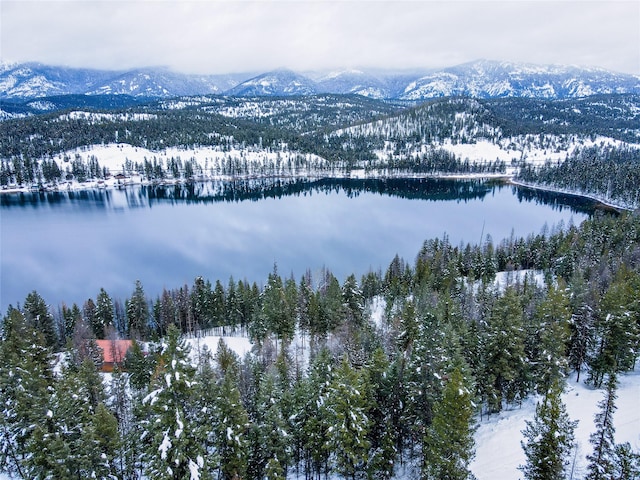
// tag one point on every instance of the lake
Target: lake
(66, 245)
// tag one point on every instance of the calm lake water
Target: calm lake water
(68, 245)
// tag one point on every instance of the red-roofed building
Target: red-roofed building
(113, 352)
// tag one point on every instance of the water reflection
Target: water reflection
(259, 189)
(67, 245)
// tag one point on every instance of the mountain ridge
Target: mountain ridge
(478, 79)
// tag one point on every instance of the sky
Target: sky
(232, 36)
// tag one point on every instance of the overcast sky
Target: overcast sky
(218, 36)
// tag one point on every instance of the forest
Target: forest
(357, 377)
(325, 389)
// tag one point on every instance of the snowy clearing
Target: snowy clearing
(498, 449)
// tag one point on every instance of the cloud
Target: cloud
(232, 35)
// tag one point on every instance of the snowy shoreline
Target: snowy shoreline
(138, 180)
(359, 174)
(599, 200)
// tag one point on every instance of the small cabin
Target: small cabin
(113, 352)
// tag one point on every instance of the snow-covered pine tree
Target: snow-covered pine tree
(78, 437)
(37, 314)
(137, 312)
(310, 423)
(448, 446)
(549, 438)
(618, 345)
(505, 366)
(383, 433)
(104, 314)
(602, 460)
(269, 437)
(230, 422)
(346, 408)
(627, 465)
(174, 443)
(550, 338)
(26, 382)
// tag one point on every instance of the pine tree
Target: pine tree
(89, 314)
(354, 302)
(602, 459)
(279, 307)
(550, 339)
(383, 432)
(332, 308)
(627, 466)
(549, 439)
(310, 424)
(137, 312)
(274, 470)
(229, 431)
(78, 436)
(434, 352)
(448, 444)
(37, 314)
(26, 381)
(346, 406)
(232, 305)
(103, 314)
(139, 366)
(174, 444)
(619, 331)
(504, 377)
(269, 435)
(121, 403)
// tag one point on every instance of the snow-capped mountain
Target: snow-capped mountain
(276, 83)
(480, 79)
(164, 83)
(487, 79)
(33, 80)
(355, 82)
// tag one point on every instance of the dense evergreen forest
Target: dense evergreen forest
(355, 378)
(325, 388)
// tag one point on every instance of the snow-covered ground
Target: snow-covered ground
(113, 156)
(240, 345)
(498, 448)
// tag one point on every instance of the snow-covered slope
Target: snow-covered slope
(353, 81)
(498, 449)
(164, 83)
(33, 80)
(481, 79)
(276, 83)
(486, 79)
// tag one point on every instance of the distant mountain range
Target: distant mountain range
(479, 79)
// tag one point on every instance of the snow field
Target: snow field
(240, 345)
(498, 449)
(113, 156)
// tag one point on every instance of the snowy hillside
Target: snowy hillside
(276, 83)
(498, 449)
(486, 79)
(354, 81)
